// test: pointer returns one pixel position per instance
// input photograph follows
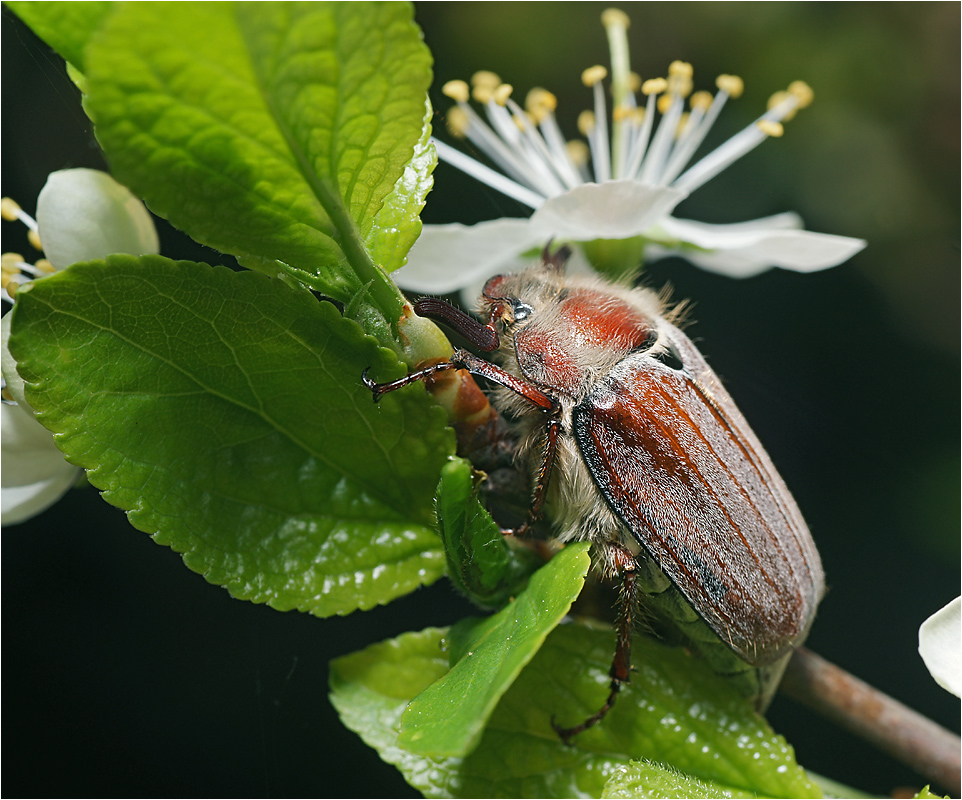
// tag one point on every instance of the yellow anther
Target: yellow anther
(654, 86)
(502, 93)
(780, 97)
(621, 113)
(45, 267)
(777, 99)
(638, 116)
(664, 103)
(457, 91)
(593, 75)
(802, 92)
(6, 393)
(9, 208)
(634, 81)
(458, 121)
(682, 124)
(11, 287)
(34, 238)
(614, 18)
(540, 100)
(586, 122)
(680, 69)
(578, 152)
(701, 101)
(483, 85)
(731, 84)
(485, 78)
(770, 128)
(11, 261)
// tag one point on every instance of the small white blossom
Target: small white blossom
(639, 172)
(940, 645)
(82, 214)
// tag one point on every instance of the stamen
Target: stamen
(34, 238)
(10, 210)
(44, 266)
(770, 128)
(802, 92)
(654, 86)
(457, 91)
(731, 85)
(502, 93)
(703, 122)
(586, 122)
(483, 84)
(494, 179)
(458, 121)
(578, 152)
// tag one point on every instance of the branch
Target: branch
(896, 729)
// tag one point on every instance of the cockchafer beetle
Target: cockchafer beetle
(637, 447)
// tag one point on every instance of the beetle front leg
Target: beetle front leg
(620, 672)
(377, 389)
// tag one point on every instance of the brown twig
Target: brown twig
(872, 715)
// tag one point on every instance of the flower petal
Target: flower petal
(612, 210)
(23, 502)
(940, 645)
(748, 248)
(446, 258)
(11, 377)
(84, 214)
(28, 452)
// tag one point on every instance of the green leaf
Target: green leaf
(272, 131)
(66, 27)
(398, 225)
(675, 711)
(646, 779)
(225, 413)
(448, 718)
(481, 563)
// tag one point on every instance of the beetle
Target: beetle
(636, 446)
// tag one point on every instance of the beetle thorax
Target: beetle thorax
(564, 333)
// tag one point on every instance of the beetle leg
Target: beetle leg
(462, 359)
(540, 490)
(377, 389)
(620, 671)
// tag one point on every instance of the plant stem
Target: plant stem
(872, 715)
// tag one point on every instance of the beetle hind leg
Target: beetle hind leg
(620, 672)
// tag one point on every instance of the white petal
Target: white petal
(940, 645)
(8, 364)
(28, 452)
(613, 210)
(446, 258)
(749, 248)
(23, 502)
(85, 214)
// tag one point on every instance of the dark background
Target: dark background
(126, 674)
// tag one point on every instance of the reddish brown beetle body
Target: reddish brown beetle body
(638, 448)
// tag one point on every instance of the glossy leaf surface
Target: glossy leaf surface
(675, 712)
(272, 131)
(225, 413)
(448, 718)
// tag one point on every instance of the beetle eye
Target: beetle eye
(521, 311)
(670, 358)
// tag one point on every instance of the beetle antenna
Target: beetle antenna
(484, 337)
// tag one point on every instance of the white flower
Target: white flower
(638, 175)
(82, 214)
(940, 645)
